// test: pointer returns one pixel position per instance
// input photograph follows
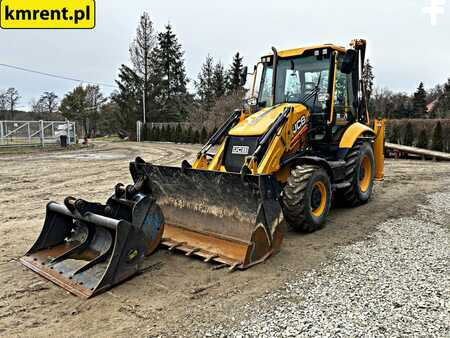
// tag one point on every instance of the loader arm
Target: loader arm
(202, 161)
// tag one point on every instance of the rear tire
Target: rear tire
(360, 172)
(306, 198)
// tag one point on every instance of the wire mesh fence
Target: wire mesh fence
(36, 133)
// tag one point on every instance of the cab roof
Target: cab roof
(300, 51)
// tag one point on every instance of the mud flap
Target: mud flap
(215, 215)
(87, 248)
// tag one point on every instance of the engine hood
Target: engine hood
(258, 123)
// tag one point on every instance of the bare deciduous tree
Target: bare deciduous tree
(140, 52)
(49, 100)
(95, 100)
(3, 103)
(12, 98)
(219, 113)
(37, 107)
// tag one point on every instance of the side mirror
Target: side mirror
(349, 61)
(244, 76)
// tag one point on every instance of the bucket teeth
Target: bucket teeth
(192, 251)
(210, 258)
(233, 267)
(175, 245)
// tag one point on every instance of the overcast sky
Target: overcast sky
(403, 46)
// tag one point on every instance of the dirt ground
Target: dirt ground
(167, 299)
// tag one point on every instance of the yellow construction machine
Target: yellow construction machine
(302, 139)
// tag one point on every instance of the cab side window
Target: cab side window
(343, 98)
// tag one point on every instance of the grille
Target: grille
(237, 149)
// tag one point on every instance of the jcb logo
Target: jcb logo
(240, 150)
(299, 124)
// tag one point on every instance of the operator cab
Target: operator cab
(315, 77)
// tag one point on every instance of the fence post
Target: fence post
(74, 133)
(138, 131)
(2, 133)
(29, 132)
(41, 126)
(68, 132)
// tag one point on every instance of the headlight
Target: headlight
(253, 101)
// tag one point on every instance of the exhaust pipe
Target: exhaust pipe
(274, 77)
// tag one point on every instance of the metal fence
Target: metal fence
(35, 133)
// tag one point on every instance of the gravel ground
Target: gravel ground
(395, 283)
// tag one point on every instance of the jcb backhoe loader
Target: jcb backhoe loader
(303, 137)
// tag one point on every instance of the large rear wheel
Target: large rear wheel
(360, 173)
(306, 198)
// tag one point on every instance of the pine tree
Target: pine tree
(219, 80)
(368, 77)
(234, 74)
(423, 139)
(419, 102)
(437, 142)
(409, 135)
(205, 84)
(196, 138)
(203, 136)
(74, 106)
(446, 137)
(163, 136)
(442, 108)
(213, 132)
(160, 133)
(178, 134)
(394, 136)
(188, 135)
(127, 99)
(154, 134)
(170, 133)
(169, 78)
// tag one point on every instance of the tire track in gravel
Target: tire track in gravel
(56, 180)
(52, 180)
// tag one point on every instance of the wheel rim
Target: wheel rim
(365, 174)
(318, 199)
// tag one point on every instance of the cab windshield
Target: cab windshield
(297, 80)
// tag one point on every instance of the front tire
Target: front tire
(307, 198)
(360, 173)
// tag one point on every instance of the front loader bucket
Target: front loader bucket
(217, 216)
(86, 247)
